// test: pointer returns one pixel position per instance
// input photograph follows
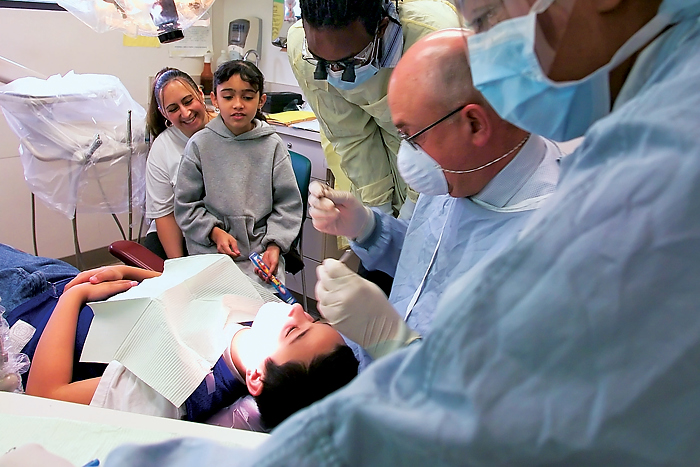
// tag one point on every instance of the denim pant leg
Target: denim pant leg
(23, 276)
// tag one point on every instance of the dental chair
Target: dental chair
(135, 254)
(82, 145)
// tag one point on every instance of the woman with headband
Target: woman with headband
(176, 111)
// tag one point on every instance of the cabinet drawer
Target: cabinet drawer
(293, 282)
(312, 150)
(313, 241)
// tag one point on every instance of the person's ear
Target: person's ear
(254, 382)
(212, 96)
(479, 125)
(162, 112)
(263, 99)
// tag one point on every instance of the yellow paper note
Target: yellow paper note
(292, 116)
(140, 41)
(277, 17)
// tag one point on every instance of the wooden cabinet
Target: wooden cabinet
(316, 246)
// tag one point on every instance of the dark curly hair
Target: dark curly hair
(338, 14)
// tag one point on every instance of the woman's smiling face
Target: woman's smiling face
(183, 107)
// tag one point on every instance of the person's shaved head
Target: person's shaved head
(436, 68)
(432, 81)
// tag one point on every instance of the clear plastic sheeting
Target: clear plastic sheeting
(137, 17)
(77, 147)
(12, 362)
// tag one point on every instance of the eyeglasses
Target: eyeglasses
(409, 139)
(481, 18)
(347, 65)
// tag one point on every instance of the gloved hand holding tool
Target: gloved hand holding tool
(360, 310)
(338, 212)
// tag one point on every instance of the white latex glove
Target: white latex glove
(338, 212)
(359, 309)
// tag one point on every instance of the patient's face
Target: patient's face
(283, 334)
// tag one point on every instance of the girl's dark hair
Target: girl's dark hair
(338, 14)
(292, 386)
(248, 73)
(155, 121)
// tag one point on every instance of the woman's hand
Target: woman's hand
(271, 257)
(225, 243)
(111, 273)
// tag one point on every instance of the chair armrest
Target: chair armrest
(135, 254)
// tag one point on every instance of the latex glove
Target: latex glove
(359, 309)
(338, 212)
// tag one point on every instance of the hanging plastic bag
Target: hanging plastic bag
(12, 362)
(76, 145)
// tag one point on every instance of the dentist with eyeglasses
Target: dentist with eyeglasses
(342, 54)
(479, 177)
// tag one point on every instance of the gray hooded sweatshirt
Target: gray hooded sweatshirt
(242, 184)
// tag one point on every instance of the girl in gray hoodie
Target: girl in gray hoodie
(236, 192)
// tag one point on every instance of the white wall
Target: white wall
(52, 42)
(274, 63)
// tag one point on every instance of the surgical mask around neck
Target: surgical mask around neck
(506, 70)
(422, 173)
(362, 74)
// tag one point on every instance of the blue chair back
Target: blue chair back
(302, 172)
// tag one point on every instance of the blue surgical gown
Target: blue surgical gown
(467, 232)
(578, 346)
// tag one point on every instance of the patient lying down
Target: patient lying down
(285, 360)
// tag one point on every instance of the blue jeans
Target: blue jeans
(23, 276)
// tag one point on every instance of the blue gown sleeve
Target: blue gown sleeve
(381, 250)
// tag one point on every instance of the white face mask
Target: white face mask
(425, 175)
(420, 171)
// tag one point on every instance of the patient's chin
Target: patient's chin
(253, 351)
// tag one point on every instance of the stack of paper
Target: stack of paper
(290, 117)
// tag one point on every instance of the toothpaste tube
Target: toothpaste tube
(285, 294)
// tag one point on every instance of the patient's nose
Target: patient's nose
(298, 314)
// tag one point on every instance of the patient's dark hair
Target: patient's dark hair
(248, 73)
(293, 386)
(338, 14)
